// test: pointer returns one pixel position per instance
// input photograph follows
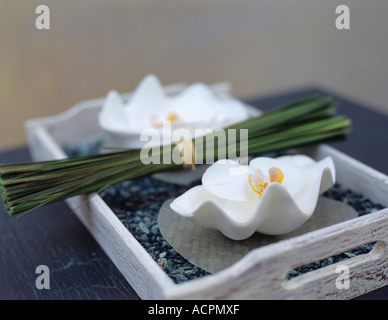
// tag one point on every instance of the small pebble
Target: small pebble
(136, 219)
(349, 254)
(155, 229)
(143, 228)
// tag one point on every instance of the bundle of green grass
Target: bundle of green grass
(27, 186)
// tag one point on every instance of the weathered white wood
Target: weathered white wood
(123, 249)
(260, 274)
(354, 174)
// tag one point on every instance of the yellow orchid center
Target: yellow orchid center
(257, 183)
(172, 117)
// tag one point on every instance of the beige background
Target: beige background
(261, 47)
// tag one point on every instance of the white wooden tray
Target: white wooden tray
(261, 274)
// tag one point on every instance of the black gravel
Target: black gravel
(137, 202)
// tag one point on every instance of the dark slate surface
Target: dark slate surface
(53, 236)
(79, 269)
(368, 140)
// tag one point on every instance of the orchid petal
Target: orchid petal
(196, 107)
(297, 160)
(195, 103)
(147, 102)
(227, 179)
(293, 178)
(280, 209)
(190, 201)
(112, 111)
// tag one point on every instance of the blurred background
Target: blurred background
(261, 47)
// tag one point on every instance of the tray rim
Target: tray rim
(162, 286)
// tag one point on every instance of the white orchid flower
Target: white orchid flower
(196, 107)
(270, 196)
